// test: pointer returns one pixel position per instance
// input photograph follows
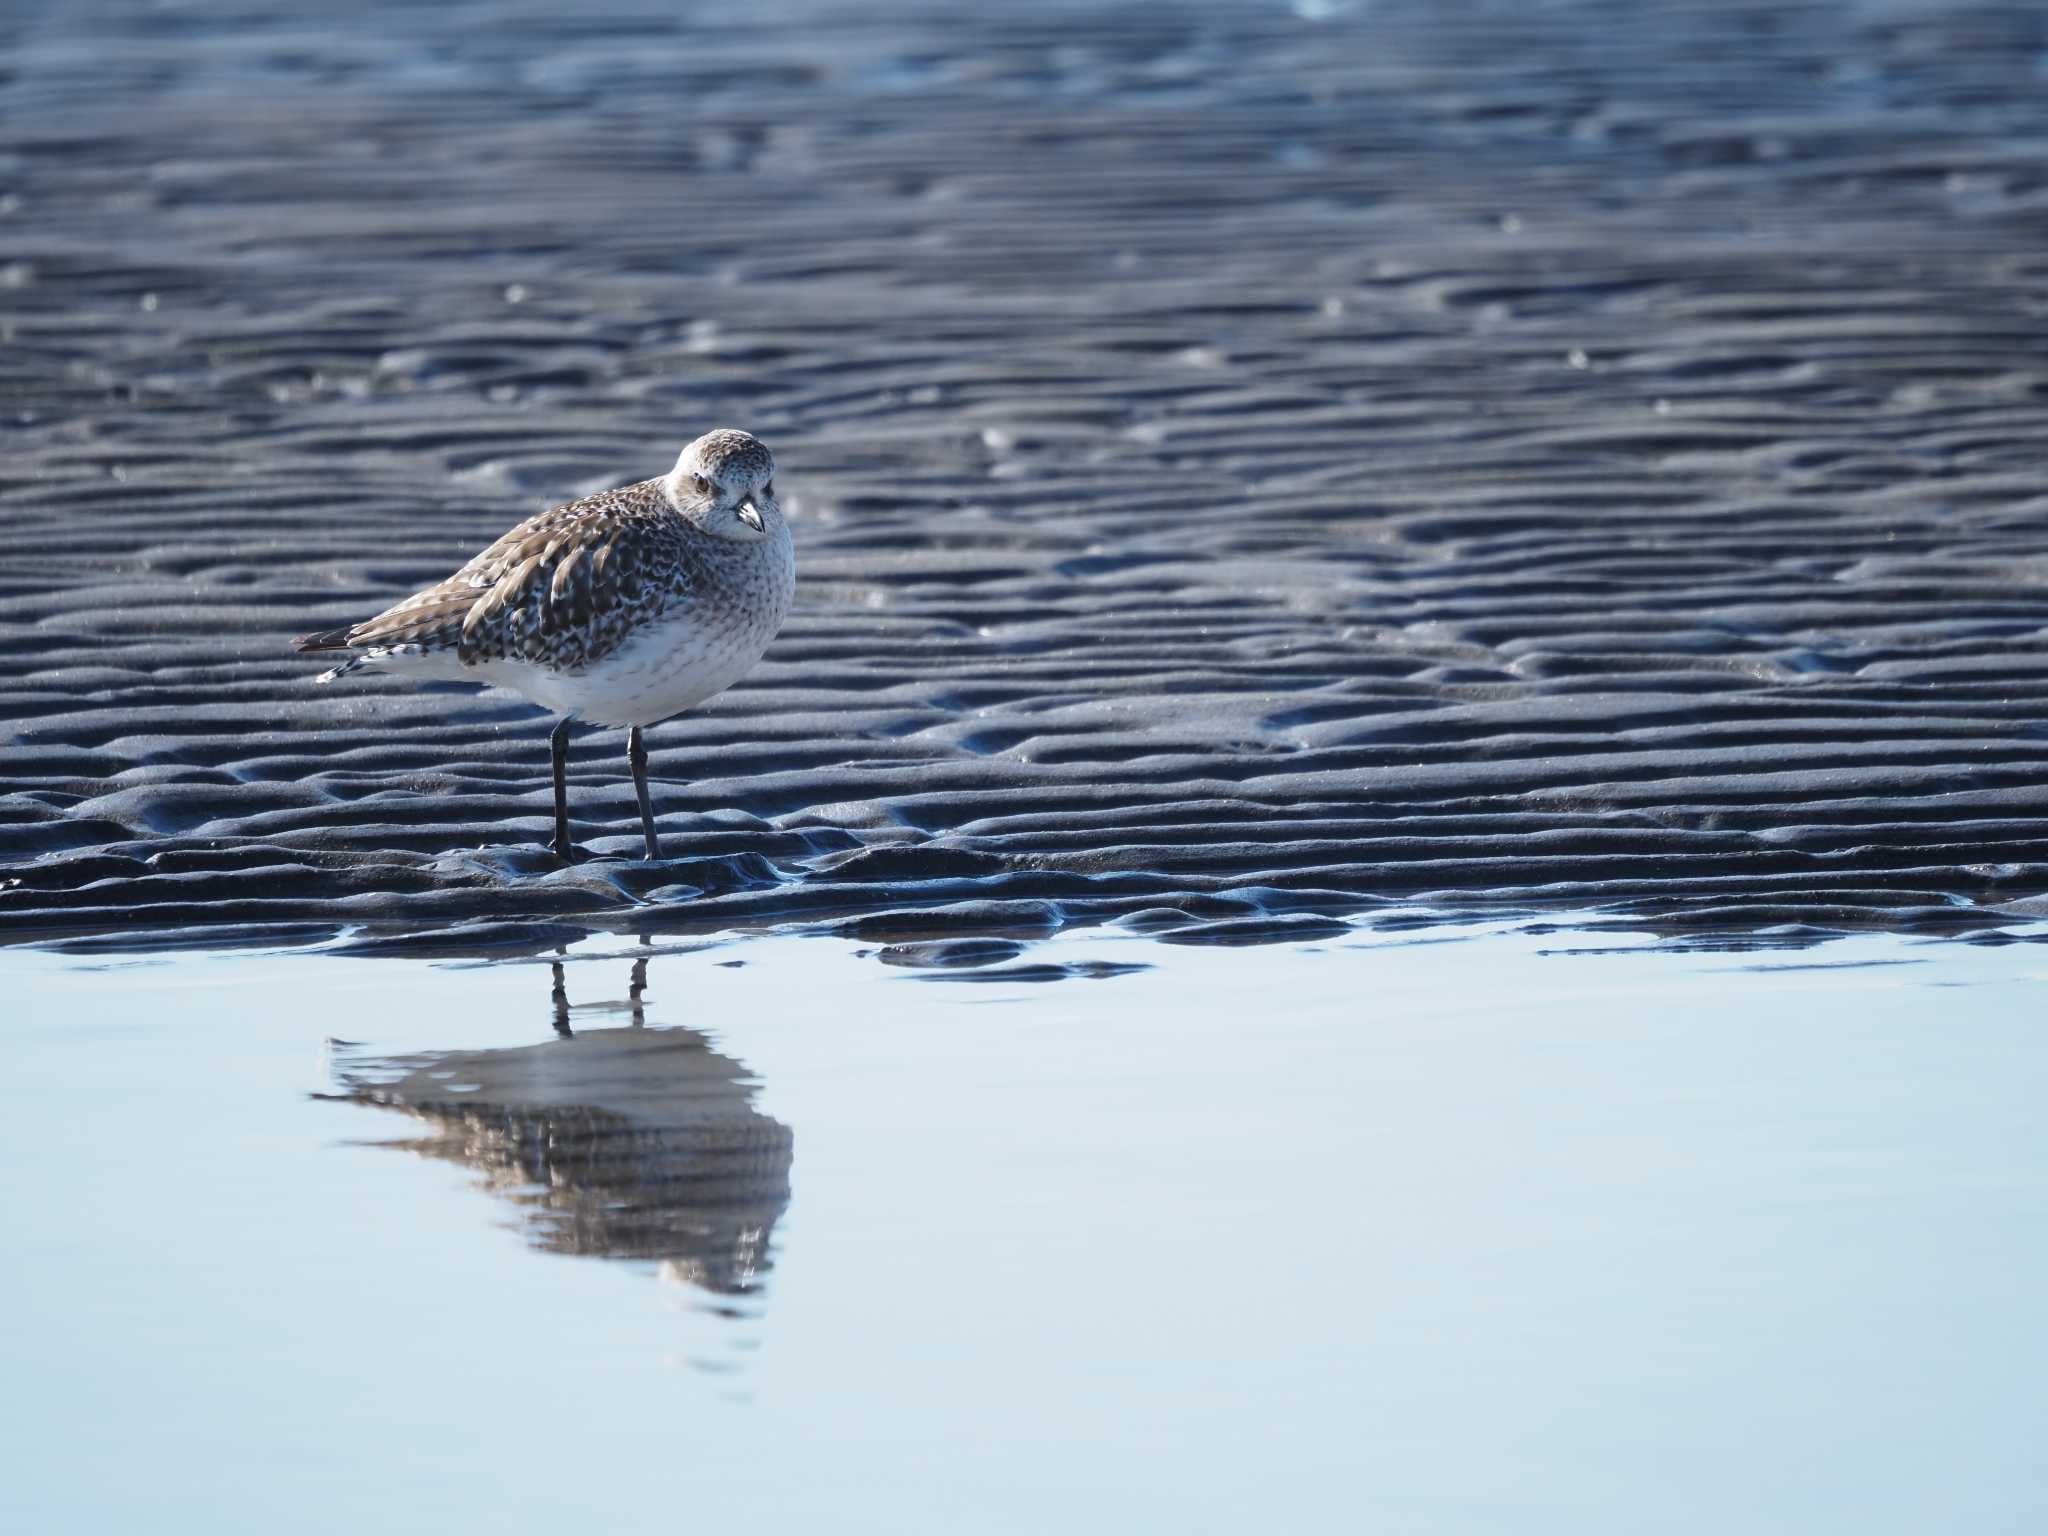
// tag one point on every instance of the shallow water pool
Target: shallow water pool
(1476, 1227)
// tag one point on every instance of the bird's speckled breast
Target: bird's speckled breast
(732, 600)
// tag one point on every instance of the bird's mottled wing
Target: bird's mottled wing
(560, 590)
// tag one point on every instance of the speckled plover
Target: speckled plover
(623, 608)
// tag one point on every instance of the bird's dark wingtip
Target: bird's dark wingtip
(323, 640)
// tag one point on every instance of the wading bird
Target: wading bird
(623, 608)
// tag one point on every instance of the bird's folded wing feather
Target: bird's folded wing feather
(561, 589)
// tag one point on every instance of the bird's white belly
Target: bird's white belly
(659, 672)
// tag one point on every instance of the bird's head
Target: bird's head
(725, 483)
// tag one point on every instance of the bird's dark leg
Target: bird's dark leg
(560, 743)
(636, 754)
(561, 1001)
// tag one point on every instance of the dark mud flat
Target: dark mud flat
(1250, 462)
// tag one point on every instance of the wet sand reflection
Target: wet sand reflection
(622, 1142)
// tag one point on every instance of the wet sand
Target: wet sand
(1249, 463)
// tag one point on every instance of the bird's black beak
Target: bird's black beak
(751, 515)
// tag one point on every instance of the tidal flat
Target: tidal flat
(1389, 874)
(1403, 451)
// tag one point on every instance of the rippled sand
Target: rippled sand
(1248, 462)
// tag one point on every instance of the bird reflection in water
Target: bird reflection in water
(622, 1142)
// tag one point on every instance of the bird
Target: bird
(621, 609)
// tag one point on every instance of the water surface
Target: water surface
(1475, 1228)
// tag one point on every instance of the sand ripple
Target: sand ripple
(1250, 462)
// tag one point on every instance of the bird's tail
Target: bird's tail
(329, 640)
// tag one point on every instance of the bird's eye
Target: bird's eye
(703, 486)
(768, 489)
